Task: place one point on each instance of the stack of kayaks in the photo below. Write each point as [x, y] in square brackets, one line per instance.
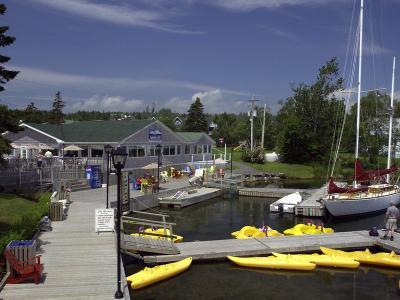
[301, 229]
[323, 260]
[272, 262]
[152, 275]
[160, 231]
[248, 232]
[366, 257]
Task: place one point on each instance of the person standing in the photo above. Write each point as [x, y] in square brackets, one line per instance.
[391, 217]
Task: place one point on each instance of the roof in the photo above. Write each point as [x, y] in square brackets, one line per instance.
[93, 131]
[190, 137]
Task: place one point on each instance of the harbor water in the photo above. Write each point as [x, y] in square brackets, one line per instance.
[217, 218]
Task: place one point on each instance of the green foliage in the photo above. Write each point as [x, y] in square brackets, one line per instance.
[57, 115]
[255, 156]
[196, 119]
[22, 224]
[307, 119]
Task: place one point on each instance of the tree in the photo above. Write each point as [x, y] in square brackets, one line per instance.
[196, 119]
[57, 115]
[7, 122]
[307, 119]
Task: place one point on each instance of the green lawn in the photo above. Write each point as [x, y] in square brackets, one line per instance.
[12, 209]
[19, 217]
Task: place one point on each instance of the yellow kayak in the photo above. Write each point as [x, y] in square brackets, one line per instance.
[177, 239]
[152, 275]
[248, 232]
[272, 262]
[324, 260]
[301, 229]
[383, 259]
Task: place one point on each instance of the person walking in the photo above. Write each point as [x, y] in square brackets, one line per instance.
[391, 217]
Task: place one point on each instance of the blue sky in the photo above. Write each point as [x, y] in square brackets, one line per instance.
[124, 55]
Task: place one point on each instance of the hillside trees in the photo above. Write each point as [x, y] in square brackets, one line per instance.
[196, 119]
[57, 115]
[307, 119]
[7, 122]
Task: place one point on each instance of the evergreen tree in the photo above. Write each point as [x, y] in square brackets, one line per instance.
[57, 115]
[7, 122]
[196, 119]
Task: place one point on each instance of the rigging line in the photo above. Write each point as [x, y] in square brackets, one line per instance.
[350, 34]
[372, 48]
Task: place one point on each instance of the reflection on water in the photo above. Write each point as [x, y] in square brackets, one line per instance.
[217, 218]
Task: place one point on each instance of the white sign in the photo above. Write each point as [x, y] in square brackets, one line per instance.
[104, 220]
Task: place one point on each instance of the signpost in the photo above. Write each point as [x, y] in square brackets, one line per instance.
[104, 220]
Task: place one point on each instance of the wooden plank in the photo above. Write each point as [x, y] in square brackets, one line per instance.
[219, 249]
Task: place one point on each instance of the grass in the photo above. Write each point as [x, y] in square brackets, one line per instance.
[19, 217]
[293, 171]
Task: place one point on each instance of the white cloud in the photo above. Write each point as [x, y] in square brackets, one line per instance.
[281, 33]
[117, 14]
[247, 5]
[376, 50]
[59, 80]
[214, 101]
[109, 103]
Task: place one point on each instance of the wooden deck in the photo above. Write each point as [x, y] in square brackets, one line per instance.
[78, 263]
[211, 250]
[269, 192]
[201, 194]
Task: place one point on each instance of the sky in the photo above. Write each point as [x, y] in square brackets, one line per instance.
[124, 55]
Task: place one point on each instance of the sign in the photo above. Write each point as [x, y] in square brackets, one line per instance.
[155, 134]
[104, 220]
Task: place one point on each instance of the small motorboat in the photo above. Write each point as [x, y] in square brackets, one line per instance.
[286, 204]
[159, 231]
[384, 259]
[248, 232]
[324, 260]
[152, 275]
[273, 262]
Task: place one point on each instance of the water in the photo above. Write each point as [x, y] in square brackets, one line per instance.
[217, 218]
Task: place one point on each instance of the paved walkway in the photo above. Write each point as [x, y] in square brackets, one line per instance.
[78, 263]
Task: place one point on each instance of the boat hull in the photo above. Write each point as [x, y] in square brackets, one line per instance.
[355, 206]
[271, 262]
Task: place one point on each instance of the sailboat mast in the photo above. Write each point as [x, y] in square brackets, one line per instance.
[391, 117]
[359, 82]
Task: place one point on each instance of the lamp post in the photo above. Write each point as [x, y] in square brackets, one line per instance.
[158, 151]
[107, 149]
[119, 159]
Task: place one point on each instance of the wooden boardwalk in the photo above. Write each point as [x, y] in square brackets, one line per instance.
[270, 192]
[219, 249]
[78, 263]
[201, 194]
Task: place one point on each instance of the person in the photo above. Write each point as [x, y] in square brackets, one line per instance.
[391, 217]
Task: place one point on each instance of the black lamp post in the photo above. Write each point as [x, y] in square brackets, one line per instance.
[119, 159]
[158, 151]
[107, 149]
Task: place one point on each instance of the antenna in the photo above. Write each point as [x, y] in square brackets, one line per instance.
[252, 113]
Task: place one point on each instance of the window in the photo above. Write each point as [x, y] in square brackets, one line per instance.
[172, 150]
[140, 151]
[199, 149]
[97, 152]
[187, 149]
[84, 151]
[178, 149]
[195, 149]
[132, 151]
[165, 150]
[209, 149]
[204, 148]
[151, 150]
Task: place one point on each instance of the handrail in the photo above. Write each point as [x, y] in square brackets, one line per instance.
[130, 219]
[147, 213]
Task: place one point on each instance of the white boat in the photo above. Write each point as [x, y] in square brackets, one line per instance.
[286, 204]
[358, 199]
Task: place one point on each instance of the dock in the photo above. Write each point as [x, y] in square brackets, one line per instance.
[185, 198]
[78, 262]
[219, 249]
[312, 206]
[269, 192]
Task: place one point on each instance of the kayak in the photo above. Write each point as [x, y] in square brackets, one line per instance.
[248, 232]
[324, 260]
[301, 229]
[176, 239]
[152, 275]
[383, 259]
[272, 262]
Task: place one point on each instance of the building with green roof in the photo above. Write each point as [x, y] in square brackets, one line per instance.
[86, 140]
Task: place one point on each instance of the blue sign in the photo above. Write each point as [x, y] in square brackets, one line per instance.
[155, 134]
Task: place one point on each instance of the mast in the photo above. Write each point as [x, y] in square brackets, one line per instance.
[359, 86]
[391, 119]
[263, 128]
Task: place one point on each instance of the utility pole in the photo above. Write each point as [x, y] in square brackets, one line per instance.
[263, 128]
[252, 113]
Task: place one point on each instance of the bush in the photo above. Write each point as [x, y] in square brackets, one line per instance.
[255, 156]
[26, 227]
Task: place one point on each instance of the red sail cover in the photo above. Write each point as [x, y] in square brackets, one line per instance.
[334, 189]
[361, 175]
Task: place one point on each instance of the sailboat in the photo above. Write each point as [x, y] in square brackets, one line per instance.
[363, 197]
